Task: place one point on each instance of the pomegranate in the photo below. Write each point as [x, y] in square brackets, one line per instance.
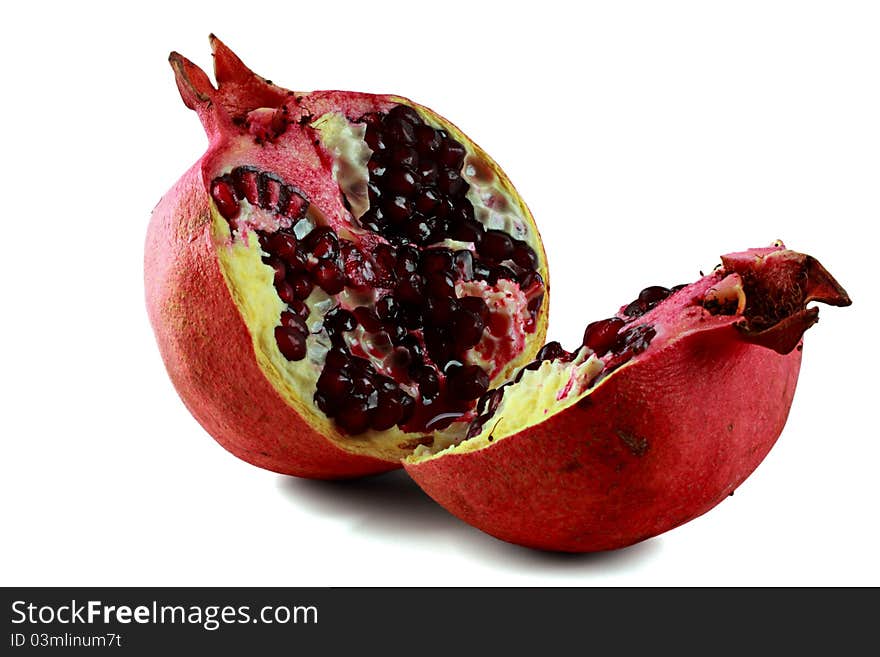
[659, 415]
[340, 277]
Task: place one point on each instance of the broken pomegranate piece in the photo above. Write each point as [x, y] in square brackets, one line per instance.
[659, 415]
[363, 267]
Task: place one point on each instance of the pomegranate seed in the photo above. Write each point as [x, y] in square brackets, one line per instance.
[299, 308]
[224, 198]
[438, 311]
[291, 342]
[268, 191]
[293, 321]
[496, 245]
[451, 183]
[436, 260]
[405, 156]
[399, 362]
[409, 290]
[600, 336]
[301, 285]
[489, 402]
[427, 140]
[401, 181]
[468, 231]
[407, 261]
[323, 243]
[328, 277]
[428, 382]
[475, 305]
[634, 309]
[388, 411]
[285, 292]
[445, 209]
[551, 351]
[535, 302]
[339, 320]
[440, 348]
[358, 273]
[387, 308]
[468, 382]
[500, 272]
[372, 221]
[395, 332]
[292, 203]
[420, 230]
[426, 201]
[467, 328]
[334, 383]
[398, 209]
[411, 316]
[406, 114]
[384, 261]
[428, 173]
[474, 428]
[635, 340]
[325, 404]
[354, 417]
[244, 179]
[282, 245]
[452, 154]
[399, 132]
[439, 229]
[524, 256]
[367, 318]
[300, 258]
[336, 359]
[464, 210]
[531, 279]
[440, 285]
[414, 347]
[653, 295]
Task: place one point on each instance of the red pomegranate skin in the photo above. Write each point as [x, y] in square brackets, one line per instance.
[209, 353]
[654, 446]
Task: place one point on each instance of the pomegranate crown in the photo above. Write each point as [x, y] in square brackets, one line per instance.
[238, 92]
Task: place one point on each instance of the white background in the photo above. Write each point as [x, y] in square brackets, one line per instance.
[648, 139]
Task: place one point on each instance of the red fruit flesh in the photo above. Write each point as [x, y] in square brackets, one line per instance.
[669, 407]
[333, 223]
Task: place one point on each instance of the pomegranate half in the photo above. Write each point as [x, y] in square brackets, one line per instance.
[340, 277]
[661, 413]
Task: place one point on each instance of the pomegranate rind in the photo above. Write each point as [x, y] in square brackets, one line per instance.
[209, 353]
[654, 444]
[627, 463]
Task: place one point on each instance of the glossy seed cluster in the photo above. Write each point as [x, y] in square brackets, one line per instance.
[418, 198]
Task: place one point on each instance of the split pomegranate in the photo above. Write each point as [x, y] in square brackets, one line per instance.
[660, 414]
[340, 277]
[344, 282]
